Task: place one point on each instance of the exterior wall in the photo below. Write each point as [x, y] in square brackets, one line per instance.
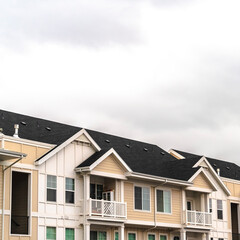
[201, 182]
[220, 227]
[25, 165]
[60, 214]
[110, 165]
[138, 215]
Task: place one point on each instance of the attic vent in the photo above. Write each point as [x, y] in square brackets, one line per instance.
[107, 141]
[163, 153]
[23, 123]
[228, 168]
[214, 164]
[48, 128]
[127, 145]
[145, 149]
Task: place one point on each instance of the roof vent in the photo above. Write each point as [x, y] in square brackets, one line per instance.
[48, 128]
[228, 168]
[16, 127]
[127, 145]
[145, 149]
[23, 123]
[214, 164]
[218, 171]
[163, 153]
[107, 141]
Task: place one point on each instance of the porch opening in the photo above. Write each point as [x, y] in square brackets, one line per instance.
[234, 218]
[20, 203]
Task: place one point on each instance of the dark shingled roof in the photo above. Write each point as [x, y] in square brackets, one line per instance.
[36, 129]
[227, 169]
[139, 156]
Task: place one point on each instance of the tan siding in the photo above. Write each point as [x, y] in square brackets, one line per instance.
[174, 217]
[31, 152]
[34, 191]
[109, 165]
[41, 151]
[7, 188]
[202, 182]
[234, 188]
[17, 147]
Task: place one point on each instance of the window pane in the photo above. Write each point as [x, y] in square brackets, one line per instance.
[138, 198]
[116, 236]
[167, 201]
[146, 198]
[131, 236]
[51, 181]
[51, 233]
[69, 234]
[159, 200]
[51, 195]
[210, 205]
[163, 237]
[102, 236]
[220, 214]
[92, 191]
[69, 197]
[93, 235]
[70, 184]
[151, 237]
[219, 204]
[99, 191]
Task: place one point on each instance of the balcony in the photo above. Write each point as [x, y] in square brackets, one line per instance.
[197, 218]
[107, 209]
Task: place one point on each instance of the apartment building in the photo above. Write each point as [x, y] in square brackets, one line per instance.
[65, 182]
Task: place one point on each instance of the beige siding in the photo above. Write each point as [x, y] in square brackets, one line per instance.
[202, 182]
[34, 191]
[174, 217]
[110, 165]
[234, 188]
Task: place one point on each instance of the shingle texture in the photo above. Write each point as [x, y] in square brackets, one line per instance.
[227, 169]
[141, 157]
[36, 129]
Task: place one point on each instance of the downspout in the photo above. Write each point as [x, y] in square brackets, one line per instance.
[3, 191]
[155, 217]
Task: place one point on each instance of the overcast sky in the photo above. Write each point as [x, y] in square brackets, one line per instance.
[160, 71]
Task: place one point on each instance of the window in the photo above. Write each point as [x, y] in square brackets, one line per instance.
[210, 205]
[70, 188]
[51, 188]
[51, 233]
[151, 236]
[131, 236]
[163, 201]
[96, 191]
[142, 198]
[219, 209]
[95, 235]
[189, 205]
[163, 237]
[116, 236]
[69, 234]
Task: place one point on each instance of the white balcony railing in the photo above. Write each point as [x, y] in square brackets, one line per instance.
[199, 218]
[107, 209]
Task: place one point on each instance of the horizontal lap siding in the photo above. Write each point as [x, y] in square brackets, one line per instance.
[132, 214]
[201, 182]
[109, 165]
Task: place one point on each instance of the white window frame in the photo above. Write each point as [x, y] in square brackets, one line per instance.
[133, 233]
[219, 209]
[70, 191]
[51, 188]
[163, 234]
[51, 227]
[142, 186]
[150, 233]
[164, 190]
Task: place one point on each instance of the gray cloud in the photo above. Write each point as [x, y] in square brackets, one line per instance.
[89, 23]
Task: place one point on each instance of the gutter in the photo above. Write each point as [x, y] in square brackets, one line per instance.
[3, 188]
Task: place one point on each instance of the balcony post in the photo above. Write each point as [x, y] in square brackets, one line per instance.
[102, 207]
[184, 206]
[207, 236]
[121, 232]
[86, 192]
[183, 234]
[86, 231]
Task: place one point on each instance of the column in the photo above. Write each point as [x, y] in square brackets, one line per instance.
[86, 193]
[121, 232]
[86, 231]
[184, 202]
[202, 203]
[183, 234]
[207, 236]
